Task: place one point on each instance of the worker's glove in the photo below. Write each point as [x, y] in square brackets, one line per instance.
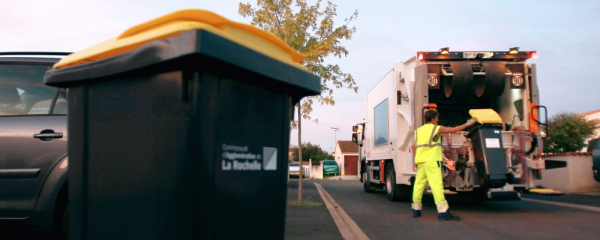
[471, 121]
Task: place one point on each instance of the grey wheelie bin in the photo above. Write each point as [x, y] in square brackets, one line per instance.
[179, 129]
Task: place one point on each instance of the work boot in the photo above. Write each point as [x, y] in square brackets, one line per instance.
[416, 213]
[447, 216]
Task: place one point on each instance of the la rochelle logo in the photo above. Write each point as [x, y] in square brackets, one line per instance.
[241, 159]
[269, 158]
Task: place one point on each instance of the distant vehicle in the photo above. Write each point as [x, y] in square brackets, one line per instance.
[330, 167]
[596, 161]
[294, 169]
[33, 144]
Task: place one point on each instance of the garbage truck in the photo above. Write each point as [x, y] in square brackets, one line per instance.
[496, 159]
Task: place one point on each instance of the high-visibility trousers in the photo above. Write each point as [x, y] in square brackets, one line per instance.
[429, 172]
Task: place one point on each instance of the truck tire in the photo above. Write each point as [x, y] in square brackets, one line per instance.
[395, 192]
[367, 184]
[391, 189]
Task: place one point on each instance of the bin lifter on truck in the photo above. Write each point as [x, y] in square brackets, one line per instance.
[495, 159]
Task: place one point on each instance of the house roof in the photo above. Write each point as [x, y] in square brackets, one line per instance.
[348, 146]
[588, 113]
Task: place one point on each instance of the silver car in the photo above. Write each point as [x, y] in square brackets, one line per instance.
[33, 144]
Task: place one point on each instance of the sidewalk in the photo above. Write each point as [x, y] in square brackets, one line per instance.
[308, 222]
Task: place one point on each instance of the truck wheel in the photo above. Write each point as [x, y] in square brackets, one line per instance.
[395, 191]
[367, 184]
[391, 189]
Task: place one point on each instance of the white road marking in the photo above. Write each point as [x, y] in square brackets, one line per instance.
[345, 224]
[589, 208]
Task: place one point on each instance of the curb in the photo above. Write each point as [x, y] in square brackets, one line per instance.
[346, 225]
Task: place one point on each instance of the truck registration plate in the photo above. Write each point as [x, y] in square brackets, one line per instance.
[475, 54]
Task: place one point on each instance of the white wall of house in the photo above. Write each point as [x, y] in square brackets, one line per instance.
[316, 171]
[576, 177]
[339, 158]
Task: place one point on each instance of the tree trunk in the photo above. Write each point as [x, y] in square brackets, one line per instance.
[301, 174]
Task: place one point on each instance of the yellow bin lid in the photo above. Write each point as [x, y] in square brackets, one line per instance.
[180, 21]
[485, 115]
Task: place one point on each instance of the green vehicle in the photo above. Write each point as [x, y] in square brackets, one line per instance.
[330, 167]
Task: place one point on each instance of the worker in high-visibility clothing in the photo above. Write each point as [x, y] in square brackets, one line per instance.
[428, 157]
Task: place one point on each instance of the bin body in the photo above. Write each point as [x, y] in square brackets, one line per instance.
[183, 138]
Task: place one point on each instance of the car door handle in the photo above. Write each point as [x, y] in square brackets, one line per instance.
[47, 135]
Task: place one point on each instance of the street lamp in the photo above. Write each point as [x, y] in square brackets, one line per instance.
[335, 129]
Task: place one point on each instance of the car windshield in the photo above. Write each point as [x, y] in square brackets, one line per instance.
[329, 162]
[294, 164]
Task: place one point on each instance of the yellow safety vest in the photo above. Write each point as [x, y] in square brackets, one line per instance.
[429, 146]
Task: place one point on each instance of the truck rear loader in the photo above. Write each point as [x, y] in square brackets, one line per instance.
[495, 159]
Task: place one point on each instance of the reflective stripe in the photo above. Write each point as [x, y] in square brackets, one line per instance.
[432, 138]
[433, 134]
[429, 145]
[417, 205]
[442, 207]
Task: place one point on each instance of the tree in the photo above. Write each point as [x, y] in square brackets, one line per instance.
[567, 133]
[310, 31]
[310, 151]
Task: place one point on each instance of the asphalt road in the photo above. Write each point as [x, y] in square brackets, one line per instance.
[382, 219]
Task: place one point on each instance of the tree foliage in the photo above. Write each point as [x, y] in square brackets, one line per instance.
[310, 151]
[567, 133]
[309, 29]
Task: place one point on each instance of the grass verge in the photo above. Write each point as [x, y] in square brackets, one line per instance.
[305, 203]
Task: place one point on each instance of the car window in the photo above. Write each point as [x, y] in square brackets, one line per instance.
[294, 164]
[22, 91]
[60, 107]
[329, 163]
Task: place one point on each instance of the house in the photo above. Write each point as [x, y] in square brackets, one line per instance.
[346, 156]
[593, 116]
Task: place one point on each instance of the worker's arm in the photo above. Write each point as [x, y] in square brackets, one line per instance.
[457, 128]
[414, 150]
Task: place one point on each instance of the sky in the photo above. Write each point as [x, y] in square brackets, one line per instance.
[565, 34]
